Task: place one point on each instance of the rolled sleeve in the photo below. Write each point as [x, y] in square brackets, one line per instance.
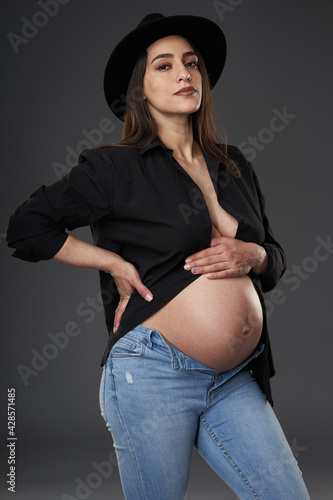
[37, 229]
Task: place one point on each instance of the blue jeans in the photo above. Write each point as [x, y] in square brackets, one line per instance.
[158, 403]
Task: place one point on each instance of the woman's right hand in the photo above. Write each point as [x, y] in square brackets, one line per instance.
[127, 280]
[79, 253]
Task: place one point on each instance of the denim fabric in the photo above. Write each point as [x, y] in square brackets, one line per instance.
[158, 403]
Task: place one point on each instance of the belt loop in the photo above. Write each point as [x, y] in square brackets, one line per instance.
[174, 358]
[149, 342]
[175, 361]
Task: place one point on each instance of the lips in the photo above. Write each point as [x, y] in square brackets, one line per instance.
[186, 91]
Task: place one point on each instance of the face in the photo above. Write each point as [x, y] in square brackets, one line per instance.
[172, 66]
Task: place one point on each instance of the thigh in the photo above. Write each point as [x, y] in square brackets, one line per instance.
[142, 402]
[242, 440]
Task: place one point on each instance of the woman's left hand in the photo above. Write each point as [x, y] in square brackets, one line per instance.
[228, 258]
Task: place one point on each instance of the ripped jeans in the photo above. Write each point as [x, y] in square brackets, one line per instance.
[158, 403]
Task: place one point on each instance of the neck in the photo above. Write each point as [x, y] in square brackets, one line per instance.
[176, 133]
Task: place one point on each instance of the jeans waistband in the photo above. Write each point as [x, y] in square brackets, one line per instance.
[179, 360]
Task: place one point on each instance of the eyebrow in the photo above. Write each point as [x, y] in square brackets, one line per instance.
[160, 56]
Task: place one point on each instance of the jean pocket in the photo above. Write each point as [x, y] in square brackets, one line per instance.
[126, 347]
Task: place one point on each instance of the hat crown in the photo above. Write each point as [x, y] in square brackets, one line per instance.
[150, 18]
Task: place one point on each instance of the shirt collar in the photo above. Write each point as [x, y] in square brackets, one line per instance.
[156, 143]
[212, 163]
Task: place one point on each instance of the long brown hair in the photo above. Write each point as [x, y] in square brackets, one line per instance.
[139, 124]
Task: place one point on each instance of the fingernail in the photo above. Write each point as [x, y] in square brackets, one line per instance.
[114, 329]
[149, 297]
[188, 260]
[187, 266]
[194, 270]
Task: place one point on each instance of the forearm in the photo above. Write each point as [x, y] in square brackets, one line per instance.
[76, 252]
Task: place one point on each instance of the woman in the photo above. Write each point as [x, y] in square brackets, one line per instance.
[184, 250]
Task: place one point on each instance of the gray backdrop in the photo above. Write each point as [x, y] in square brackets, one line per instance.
[279, 61]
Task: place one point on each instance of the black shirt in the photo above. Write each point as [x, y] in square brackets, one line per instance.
[142, 205]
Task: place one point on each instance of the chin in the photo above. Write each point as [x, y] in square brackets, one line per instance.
[189, 109]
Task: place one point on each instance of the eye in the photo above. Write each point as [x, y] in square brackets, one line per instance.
[192, 64]
[163, 67]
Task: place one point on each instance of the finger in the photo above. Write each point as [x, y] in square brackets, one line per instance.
[198, 255]
[124, 287]
[142, 289]
[227, 273]
[207, 261]
[207, 252]
[215, 241]
[230, 272]
[120, 311]
[117, 318]
[220, 240]
[213, 268]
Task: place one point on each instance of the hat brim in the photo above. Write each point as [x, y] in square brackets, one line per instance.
[206, 35]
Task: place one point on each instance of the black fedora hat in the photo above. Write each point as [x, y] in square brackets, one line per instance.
[205, 35]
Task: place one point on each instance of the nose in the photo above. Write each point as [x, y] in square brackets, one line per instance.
[183, 75]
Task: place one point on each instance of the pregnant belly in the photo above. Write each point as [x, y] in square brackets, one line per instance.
[217, 322]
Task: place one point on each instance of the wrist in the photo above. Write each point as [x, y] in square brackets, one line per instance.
[260, 261]
[112, 260]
